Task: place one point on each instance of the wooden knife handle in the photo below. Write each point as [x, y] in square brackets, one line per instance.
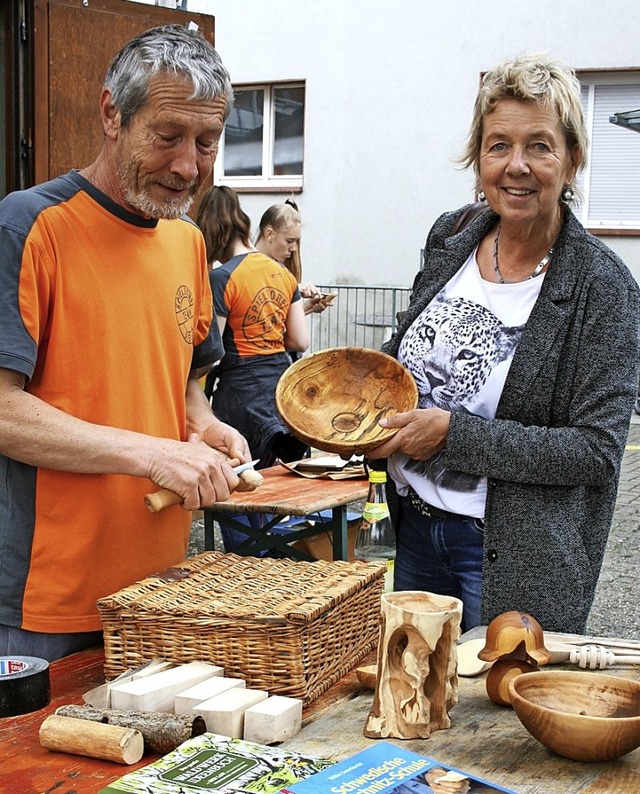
[158, 500]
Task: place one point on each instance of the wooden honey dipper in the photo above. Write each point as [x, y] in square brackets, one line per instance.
[597, 657]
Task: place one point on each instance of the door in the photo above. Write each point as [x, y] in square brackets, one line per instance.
[73, 43]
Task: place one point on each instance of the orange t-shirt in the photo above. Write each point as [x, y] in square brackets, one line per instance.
[254, 293]
[105, 313]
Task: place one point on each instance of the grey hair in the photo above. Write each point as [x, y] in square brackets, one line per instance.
[538, 79]
[171, 48]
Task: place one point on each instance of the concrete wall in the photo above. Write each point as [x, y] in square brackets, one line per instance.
[390, 88]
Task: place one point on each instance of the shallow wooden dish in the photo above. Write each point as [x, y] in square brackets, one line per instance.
[368, 675]
[579, 715]
[335, 398]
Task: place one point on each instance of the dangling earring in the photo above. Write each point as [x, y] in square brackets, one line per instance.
[481, 196]
[567, 194]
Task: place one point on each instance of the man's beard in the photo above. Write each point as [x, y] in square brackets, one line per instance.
[168, 209]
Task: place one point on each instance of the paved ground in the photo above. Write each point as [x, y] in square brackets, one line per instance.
[616, 609]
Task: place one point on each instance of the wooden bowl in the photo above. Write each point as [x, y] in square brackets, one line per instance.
[334, 399]
[579, 715]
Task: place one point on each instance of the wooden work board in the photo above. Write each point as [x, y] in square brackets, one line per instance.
[285, 493]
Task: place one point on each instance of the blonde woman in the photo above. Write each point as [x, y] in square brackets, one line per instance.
[522, 334]
[279, 238]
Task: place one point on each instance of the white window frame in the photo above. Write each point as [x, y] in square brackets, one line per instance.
[268, 182]
[611, 225]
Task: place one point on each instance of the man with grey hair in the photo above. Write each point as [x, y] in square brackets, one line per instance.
[105, 324]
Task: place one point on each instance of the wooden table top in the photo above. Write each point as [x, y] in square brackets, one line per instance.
[485, 740]
[284, 493]
[27, 768]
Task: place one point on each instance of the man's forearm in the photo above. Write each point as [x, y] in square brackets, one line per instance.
[38, 434]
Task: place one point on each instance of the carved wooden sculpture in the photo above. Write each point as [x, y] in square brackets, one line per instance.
[515, 645]
[417, 681]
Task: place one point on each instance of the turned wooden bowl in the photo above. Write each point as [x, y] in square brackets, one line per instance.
[579, 715]
[334, 399]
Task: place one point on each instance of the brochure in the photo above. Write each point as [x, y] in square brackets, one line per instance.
[212, 763]
[385, 768]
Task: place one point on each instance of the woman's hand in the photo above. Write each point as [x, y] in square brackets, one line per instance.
[314, 301]
[316, 305]
[309, 290]
[421, 434]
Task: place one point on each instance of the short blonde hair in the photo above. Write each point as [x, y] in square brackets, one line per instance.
[531, 78]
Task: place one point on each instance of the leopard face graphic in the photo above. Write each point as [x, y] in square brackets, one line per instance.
[453, 351]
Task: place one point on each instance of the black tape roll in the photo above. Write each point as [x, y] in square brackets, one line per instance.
[24, 685]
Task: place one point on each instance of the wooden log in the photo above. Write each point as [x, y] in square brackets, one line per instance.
[90, 713]
[92, 739]
[417, 683]
[161, 731]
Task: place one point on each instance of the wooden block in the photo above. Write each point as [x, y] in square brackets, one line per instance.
[273, 720]
[156, 666]
[157, 692]
[205, 690]
[100, 696]
[224, 714]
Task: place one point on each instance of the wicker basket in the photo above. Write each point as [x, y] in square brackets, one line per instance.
[291, 628]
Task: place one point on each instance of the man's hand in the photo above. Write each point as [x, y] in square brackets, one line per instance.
[228, 440]
[192, 469]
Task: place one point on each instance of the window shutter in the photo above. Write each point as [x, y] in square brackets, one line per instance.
[614, 189]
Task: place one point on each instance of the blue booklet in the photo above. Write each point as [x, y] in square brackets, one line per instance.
[385, 768]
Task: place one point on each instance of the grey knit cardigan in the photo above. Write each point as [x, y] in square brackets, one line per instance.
[552, 454]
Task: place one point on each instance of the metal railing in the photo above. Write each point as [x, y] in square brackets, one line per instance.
[359, 316]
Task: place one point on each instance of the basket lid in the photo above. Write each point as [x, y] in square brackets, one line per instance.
[216, 585]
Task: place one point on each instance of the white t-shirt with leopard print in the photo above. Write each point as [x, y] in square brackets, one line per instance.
[459, 351]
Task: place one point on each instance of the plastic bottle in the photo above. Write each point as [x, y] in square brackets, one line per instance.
[375, 538]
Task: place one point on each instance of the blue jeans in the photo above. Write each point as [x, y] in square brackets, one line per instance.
[16, 641]
[442, 556]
